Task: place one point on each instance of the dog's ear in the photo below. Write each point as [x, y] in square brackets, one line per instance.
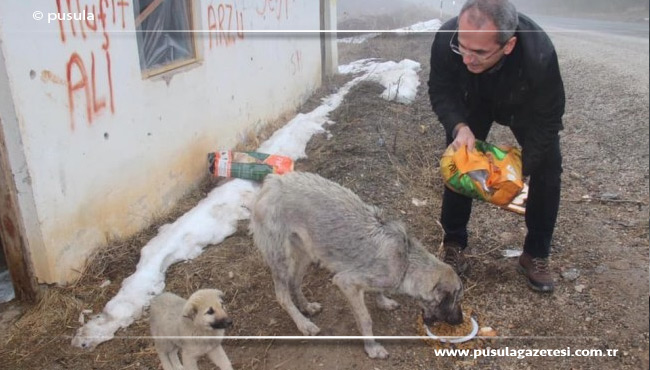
[189, 311]
[220, 295]
[436, 291]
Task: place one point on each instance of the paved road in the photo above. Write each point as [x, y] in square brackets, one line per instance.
[620, 48]
[552, 24]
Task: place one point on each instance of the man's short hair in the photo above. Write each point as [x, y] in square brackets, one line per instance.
[502, 12]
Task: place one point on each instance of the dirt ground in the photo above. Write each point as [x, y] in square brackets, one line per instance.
[388, 153]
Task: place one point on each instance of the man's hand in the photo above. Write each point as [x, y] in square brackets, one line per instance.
[464, 136]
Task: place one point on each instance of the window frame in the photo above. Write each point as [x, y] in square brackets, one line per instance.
[173, 66]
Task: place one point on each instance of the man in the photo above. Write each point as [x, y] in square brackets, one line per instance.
[492, 64]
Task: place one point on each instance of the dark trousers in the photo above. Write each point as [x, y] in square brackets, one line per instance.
[543, 195]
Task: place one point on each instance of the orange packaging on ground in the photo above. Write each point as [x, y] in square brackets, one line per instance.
[247, 165]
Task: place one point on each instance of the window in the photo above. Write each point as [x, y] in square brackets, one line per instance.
[165, 40]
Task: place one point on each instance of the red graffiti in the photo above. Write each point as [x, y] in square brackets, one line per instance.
[60, 11]
[92, 26]
[75, 61]
[81, 23]
[123, 5]
[94, 99]
[77, 79]
[110, 80]
[274, 7]
[222, 27]
[101, 104]
[115, 7]
[102, 18]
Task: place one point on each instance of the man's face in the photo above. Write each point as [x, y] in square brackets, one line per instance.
[479, 46]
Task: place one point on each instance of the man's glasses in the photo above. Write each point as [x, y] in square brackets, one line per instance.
[480, 56]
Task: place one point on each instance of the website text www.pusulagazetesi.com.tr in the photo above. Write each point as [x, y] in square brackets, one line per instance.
[523, 353]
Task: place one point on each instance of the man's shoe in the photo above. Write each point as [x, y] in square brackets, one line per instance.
[455, 257]
[537, 272]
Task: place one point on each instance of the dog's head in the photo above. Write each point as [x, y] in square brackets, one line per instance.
[206, 310]
[442, 301]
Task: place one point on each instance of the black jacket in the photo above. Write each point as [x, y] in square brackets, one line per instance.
[528, 93]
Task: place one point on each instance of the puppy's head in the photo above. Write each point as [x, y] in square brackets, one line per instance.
[206, 311]
[443, 301]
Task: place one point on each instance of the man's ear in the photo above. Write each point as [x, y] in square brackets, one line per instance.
[510, 45]
[189, 311]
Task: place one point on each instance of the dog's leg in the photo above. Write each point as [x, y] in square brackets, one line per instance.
[350, 284]
[175, 360]
[219, 358]
[283, 296]
[386, 303]
[301, 263]
[190, 361]
[166, 359]
[275, 245]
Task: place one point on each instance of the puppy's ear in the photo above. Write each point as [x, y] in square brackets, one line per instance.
[189, 311]
[220, 295]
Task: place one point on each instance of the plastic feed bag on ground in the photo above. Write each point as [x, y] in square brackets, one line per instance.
[247, 165]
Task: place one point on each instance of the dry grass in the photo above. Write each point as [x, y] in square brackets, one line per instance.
[57, 307]
[56, 312]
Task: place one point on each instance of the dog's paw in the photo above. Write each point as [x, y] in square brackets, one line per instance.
[313, 308]
[376, 350]
[386, 303]
[309, 328]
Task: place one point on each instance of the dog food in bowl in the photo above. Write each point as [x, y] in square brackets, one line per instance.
[453, 333]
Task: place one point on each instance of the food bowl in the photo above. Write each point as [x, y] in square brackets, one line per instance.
[450, 339]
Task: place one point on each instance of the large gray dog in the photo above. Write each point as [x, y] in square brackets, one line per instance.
[301, 218]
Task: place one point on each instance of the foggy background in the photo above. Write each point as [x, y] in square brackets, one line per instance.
[388, 14]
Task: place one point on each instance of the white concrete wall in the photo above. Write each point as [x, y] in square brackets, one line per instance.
[98, 162]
